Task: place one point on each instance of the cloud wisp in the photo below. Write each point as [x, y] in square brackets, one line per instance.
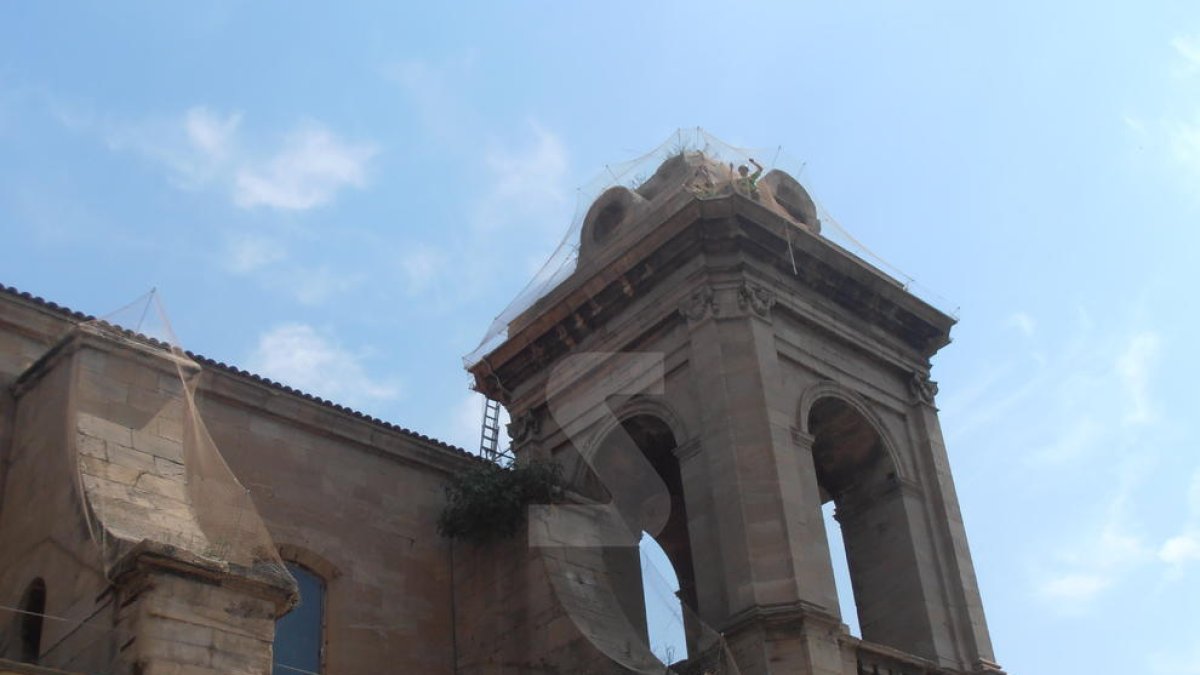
[527, 185]
[1183, 549]
[300, 356]
[1095, 562]
[307, 168]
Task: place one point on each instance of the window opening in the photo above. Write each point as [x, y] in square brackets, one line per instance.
[299, 638]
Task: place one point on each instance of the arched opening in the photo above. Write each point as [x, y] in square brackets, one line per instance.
[655, 582]
[300, 634]
[665, 618]
[33, 610]
[857, 475]
[841, 568]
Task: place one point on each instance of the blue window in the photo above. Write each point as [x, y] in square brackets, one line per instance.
[299, 633]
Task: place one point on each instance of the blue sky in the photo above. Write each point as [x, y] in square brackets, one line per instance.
[343, 200]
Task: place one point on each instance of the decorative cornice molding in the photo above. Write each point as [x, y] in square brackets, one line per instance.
[756, 298]
[525, 427]
[921, 388]
[701, 305]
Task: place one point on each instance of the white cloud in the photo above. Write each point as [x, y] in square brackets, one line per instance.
[248, 253]
[421, 266]
[1184, 548]
[527, 185]
[298, 355]
[313, 286]
[1090, 564]
[1181, 549]
[209, 134]
[308, 171]
[1075, 589]
[1133, 366]
[1188, 48]
[1183, 138]
[206, 149]
[195, 147]
[437, 104]
[1185, 660]
[1077, 439]
[1023, 323]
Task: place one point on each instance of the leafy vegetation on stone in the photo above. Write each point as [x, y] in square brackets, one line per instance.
[489, 501]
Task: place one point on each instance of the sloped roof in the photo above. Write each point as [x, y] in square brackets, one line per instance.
[69, 314]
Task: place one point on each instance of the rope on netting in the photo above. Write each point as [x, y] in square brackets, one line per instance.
[52, 617]
[293, 669]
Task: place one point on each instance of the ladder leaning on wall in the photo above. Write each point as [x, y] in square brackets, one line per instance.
[489, 435]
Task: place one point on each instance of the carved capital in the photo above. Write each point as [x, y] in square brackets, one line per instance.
[921, 388]
[702, 304]
[756, 298]
[525, 427]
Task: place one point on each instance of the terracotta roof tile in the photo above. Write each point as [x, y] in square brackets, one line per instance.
[73, 315]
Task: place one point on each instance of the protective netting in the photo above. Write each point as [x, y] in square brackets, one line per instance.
[714, 169]
[148, 468]
[678, 637]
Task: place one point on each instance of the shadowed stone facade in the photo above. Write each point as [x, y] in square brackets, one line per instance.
[714, 368]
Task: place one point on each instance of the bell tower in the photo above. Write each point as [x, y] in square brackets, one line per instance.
[715, 371]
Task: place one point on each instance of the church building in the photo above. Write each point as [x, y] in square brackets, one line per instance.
[709, 371]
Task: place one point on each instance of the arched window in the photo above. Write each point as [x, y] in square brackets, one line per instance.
[858, 474]
[33, 607]
[656, 583]
[299, 634]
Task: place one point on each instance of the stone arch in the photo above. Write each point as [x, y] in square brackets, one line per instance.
[304, 557]
[831, 389]
[657, 432]
[637, 406]
[879, 513]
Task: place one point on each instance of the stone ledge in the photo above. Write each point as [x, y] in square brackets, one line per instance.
[268, 581]
[13, 668]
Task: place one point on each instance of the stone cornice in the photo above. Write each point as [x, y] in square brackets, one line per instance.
[794, 612]
[593, 296]
[45, 322]
[259, 397]
[268, 581]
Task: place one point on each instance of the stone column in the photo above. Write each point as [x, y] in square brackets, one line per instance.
[948, 539]
[764, 504]
[183, 614]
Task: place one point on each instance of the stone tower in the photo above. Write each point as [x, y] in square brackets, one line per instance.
[716, 370]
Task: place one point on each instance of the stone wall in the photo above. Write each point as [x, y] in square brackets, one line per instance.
[353, 500]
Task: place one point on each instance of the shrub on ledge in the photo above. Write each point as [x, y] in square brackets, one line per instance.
[489, 501]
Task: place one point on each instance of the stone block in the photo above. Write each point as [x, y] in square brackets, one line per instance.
[124, 455]
[97, 427]
[151, 443]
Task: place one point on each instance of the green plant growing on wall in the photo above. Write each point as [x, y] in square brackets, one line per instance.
[489, 502]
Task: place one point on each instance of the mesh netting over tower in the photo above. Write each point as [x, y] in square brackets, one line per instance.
[692, 160]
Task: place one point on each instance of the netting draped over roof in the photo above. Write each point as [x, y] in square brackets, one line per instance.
[643, 175]
[705, 166]
[148, 468]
